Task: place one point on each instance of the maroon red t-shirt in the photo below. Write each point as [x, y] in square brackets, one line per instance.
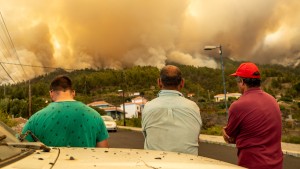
[255, 123]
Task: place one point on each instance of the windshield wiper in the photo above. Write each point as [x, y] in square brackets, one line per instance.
[37, 145]
[29, 145]
[23, 136]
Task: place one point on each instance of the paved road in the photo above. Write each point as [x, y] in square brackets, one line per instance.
[135, 140]
[126, 139]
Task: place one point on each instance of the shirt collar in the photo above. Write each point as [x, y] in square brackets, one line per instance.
[169, 93]
[252, 89]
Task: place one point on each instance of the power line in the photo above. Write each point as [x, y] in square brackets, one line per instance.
[6, 49]
[2, 39]
[8, 74]
[12, 44]
[10, 51]
[45, 67]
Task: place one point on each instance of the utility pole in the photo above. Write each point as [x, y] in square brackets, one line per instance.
[29, 99]
[124, 122]
[223, 76]
[208, 95]
[85, 87]
[123, 100]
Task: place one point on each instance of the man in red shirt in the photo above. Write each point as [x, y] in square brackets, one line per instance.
[254, 122]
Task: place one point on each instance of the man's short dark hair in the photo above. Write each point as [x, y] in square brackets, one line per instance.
[170, 78]
[61, 83]
[251, 82]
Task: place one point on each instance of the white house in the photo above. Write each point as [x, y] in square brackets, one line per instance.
[131, 109]
[135, 107]
[220, 97]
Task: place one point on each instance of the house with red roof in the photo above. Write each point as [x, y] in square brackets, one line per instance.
[111, 110]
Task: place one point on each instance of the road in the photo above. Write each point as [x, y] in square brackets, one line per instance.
[135, 140]
[126, 139]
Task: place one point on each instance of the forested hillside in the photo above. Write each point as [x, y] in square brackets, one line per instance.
[103, 84]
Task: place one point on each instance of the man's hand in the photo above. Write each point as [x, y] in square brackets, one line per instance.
[227, 139]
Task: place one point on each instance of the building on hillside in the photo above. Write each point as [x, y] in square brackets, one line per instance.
[191, 95]
[135, 107]
[134, 94]
[139, 100]
[290, 121]
[100, 104]
[111, 110]
[278, 97]
[220, 97]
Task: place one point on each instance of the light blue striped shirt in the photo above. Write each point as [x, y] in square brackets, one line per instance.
[171, 122]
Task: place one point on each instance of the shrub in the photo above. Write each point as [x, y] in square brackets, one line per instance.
[135, 122]
[214, 130]
[132, 122]
[286, 99]
[291, 139]
[4, 117]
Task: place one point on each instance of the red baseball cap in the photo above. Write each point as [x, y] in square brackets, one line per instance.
[247, 70]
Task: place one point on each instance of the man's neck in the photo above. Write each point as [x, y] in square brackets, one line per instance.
[170, 88]
[63, 96]
[63, 100]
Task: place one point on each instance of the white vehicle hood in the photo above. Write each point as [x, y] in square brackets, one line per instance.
[115, 158]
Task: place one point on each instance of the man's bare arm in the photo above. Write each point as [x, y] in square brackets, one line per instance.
[102, 144]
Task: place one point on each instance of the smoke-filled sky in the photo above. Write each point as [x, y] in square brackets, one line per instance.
[76, 34]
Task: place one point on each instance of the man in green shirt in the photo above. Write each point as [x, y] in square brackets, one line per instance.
[67, 122]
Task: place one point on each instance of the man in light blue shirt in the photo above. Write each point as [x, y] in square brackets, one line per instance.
[171, 122]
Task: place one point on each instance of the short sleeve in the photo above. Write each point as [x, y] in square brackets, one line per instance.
[102, 134]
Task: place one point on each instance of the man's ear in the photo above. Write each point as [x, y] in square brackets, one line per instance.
[51, 93]
[182, 83]
[242, 81]
[159, 83]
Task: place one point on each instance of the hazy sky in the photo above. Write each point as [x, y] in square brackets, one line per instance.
[77, 34]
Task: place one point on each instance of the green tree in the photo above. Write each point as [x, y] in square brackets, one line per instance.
[18, 107]
[297, 88]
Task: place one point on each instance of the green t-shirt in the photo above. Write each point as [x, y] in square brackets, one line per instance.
[67, 123]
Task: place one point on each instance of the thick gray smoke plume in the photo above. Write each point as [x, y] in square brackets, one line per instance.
[76, 34]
